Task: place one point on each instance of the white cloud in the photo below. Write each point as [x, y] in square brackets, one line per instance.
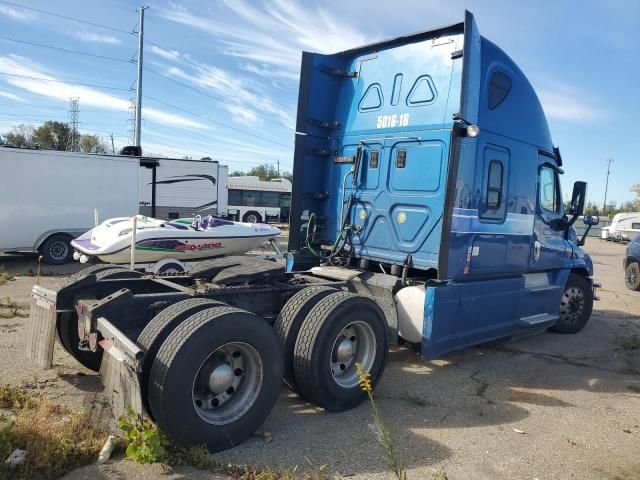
[98, 38]
[273, 33]
[18, 65]
[168, 54]
[244, 116]
[565, 102]
[266, 71]
[19, 15]
[11, 96]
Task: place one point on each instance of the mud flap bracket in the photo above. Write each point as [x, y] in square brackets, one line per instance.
[41, 331]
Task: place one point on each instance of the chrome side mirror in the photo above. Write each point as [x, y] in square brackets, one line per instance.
[591, 220]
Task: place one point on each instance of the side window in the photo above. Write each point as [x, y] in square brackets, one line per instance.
[401, 159]
[499, 87]
[373, 159]
[494, 185]
[549, 193]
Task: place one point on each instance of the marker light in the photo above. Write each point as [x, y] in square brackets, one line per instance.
[473, 131]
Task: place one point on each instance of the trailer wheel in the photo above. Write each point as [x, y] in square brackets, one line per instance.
[56, 249]
[632, 276]
[576, 304]
[159, 328]
[67, 329]
[290, 320]
[252, 217]
[170, 269]
[216, 378]
[342, 330]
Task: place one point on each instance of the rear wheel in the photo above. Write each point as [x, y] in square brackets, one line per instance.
[576, 304]
[117, 273]
[70, 339]
[290, 320]
[170, 269]
[216, 378]
[56, 249]
[632, 276]
[343, 330]
[85, 272]
[252, 217]
[160, 327]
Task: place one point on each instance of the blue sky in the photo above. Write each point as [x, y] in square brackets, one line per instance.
[228, 69]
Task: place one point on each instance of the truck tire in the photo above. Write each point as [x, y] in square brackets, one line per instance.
[159, 328]
[632, 276]
[290, 320]
[67, 329]
[342, 330]
[116, 273]
[85, 272]
[252, 217]
[216, 378]
[56, 249]
[576, 304]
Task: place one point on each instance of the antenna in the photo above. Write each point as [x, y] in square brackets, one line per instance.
[606, 188]
[74, 110]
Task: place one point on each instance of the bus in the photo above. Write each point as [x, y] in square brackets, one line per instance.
[259, 201]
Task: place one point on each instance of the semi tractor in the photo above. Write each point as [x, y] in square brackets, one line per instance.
[426, 210]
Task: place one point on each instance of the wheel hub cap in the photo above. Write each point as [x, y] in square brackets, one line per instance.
[356, 343]
[221, 378]
[345, 350]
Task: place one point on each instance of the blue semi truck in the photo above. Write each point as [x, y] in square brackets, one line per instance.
[426, 210]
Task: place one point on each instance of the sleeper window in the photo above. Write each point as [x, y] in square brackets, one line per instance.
[494, 184]
[401, 159]
[373, 159]
[548, 190]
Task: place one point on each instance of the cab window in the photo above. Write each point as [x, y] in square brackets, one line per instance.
[549, 190]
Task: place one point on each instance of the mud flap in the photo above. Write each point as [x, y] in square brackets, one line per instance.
[119, 370]
[41, 331]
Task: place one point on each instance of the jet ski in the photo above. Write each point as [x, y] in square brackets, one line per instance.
[183, 239]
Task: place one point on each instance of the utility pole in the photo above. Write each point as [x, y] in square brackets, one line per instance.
[606, 188]
[139, 78]
[113, 147]
[278, 167]
[131, 121]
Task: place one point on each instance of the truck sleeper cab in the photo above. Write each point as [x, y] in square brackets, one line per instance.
[426, 207]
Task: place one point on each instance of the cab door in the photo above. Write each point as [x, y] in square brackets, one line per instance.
[549, 247]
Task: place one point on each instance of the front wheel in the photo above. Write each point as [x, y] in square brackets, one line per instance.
[632, 276]
[57, 250]
[576, 304]
[343, 330]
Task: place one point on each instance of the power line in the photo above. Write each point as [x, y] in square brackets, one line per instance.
[67, 18]
[216, 122]
[61, 81]
[211, 72]
[218, 99]
[77, 52]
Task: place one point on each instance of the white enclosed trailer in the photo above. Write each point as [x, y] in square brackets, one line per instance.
[48, 197]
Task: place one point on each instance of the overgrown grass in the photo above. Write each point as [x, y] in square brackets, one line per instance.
[11, 309]
[56, 439]
[631, 342]
[5, 275]
[384, 437]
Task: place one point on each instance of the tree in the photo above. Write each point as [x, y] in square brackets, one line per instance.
[636, 203]
[92, 144]
[53, 136]
[20, 137]
[237, 173]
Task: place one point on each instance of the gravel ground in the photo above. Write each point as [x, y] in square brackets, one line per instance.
[546, 407]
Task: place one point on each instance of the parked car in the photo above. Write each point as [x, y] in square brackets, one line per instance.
[632, 264]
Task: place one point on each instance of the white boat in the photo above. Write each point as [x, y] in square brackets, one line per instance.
[184, 239]
[624, 226]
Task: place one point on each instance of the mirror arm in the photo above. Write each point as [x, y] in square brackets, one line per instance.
[584, 236]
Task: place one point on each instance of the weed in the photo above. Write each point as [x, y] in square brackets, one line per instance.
[11, 309]
[146, 442]
[395, 464]
[56, 439]
[630, 343]
[440, 474]
[5, 275]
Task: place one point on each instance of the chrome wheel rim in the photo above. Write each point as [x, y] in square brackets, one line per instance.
[356, 343]
[227, 383]
[632, 275]
[572, 304]
[59, 250]
[252, 219]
